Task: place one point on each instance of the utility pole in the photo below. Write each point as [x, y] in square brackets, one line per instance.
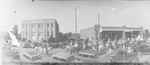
[76, 21]
[32, 0]
[99, 30]
[98, 20]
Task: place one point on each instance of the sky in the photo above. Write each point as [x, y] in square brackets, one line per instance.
[112, 13]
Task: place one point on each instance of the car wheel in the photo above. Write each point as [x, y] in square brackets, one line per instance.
[110, 60]
[135, 60]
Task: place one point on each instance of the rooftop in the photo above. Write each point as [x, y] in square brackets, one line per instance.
[63, 54]
[38, 20]
[31, 53]
[90, 52]
[115, 28]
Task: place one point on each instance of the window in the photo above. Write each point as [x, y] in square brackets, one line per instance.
[52, 33]
[36, 58]
[63, 60]
[48, 33]
[52, 25]
[47, 25]
[72, 58]
[56, 58]
[91, 56]
[80, 54]
[85, 55]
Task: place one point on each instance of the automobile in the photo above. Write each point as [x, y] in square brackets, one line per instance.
[143, 58]
[31, 56]
[63, 57]
[124, 56]
[53, 51]
[144, 54]
[92, 56]
[11, 56]
[144, 50]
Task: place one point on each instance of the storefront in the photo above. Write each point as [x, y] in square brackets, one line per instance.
[112, 33]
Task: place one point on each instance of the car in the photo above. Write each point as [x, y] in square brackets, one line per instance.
[31, 56]
[11, 56]
[143, 58]
[63, 57]
[123, 56]
[92, 56]
[144, 54]
[145, 50]
[54, 51]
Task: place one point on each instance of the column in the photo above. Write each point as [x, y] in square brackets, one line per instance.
[141, 33]
[30, 33]
[44, 31]
[124, 35]
[37, 31]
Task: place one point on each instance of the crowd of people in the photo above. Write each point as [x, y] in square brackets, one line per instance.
[130, 45]
[73, 46]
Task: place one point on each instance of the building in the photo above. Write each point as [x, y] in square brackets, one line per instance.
[110, 32]
[41, 29]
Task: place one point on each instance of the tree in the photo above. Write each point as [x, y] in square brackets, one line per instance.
[51, 39]
[23, 39]
[147, 33]
[15, 32]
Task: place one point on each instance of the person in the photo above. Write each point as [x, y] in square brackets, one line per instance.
[68, 48]
[99, 47]
[71, 43]
[76, 46]
[36, 48]
[84, 46]
[49, 48]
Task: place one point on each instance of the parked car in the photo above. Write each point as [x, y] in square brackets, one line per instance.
[11, 56]
[31, 56]
[64, 58]
[143, 58]
[92, 56]
[124, 56]
[144, 50]
[144, 54]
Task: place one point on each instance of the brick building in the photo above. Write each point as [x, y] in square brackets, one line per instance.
[93, 33]
[40, 29]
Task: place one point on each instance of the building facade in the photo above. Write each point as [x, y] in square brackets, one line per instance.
[110, 32]
[41, 29]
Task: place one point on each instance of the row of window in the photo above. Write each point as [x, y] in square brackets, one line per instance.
[86, 56]
[49, 33]
[40, 34]
[34, 25]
